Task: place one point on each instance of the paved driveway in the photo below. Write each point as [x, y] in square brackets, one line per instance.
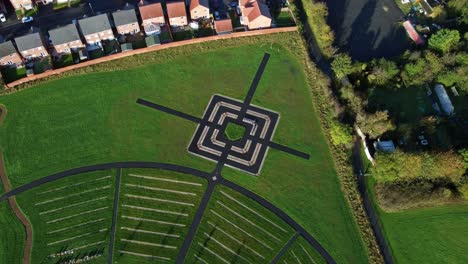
[367, 28]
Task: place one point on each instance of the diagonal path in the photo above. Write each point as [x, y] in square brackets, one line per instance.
[114, 216]
[285, 248]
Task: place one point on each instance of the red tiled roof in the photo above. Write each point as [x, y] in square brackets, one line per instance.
[196, 3]
[254, 9]
[176, 9]
[224, 25]
[151, 11]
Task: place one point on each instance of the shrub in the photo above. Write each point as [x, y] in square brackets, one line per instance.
[342, 65]
[444, 40]
[340, 134]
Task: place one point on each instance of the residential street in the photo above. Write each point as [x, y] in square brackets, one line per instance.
[367, 29]
[46, 18]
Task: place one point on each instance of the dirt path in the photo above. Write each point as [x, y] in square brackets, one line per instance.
[12, 201]
[3, 112]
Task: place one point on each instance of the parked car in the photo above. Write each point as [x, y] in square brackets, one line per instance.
[2, 17]
[216, 15]
[27, 19]
[233, 4]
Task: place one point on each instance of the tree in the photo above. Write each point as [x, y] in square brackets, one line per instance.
[383, 71]
[342, 65]
[444, 40]
[401, 166]
[459, 8]
[439, 14]
[340, 134]
[375, 124]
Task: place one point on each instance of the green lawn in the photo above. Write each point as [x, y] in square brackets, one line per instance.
[182, 35]
[284, 19]
[156, 210]
[93, 118]
[12, 230]
[301, 252]
[407, 104]
[63, 61]
[235, 227]
[13, 74]
[74, 213]
[427, 235]
[234, 131]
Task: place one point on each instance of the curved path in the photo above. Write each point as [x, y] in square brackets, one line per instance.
[18, 213]
[213, 181]
[3, 112]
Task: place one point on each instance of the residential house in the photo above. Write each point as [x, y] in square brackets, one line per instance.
[9, 56]
[95, 29]
[223, 26]
[153, 18]
[255, 14]
[177, 14]
[199, 9]
[31, 46]
[126, 22]
[22, 4]
[65, 39]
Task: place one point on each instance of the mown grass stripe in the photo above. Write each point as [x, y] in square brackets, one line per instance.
[253, 211]
[242, 230]
[213, 253]
[70, 227]
[200, 259]
[307, 253]
[248, 221]
[75, 237]
[158, 199]
[74, 185]
[71, 205]
[294, 254]
[235, 239]
[143, 255]
[225, 247]
[72, 195]
[71, 216]
[149, 232]
[152, 221]
[147, 243]
[160, 189]
[164, 179]
[154, 210]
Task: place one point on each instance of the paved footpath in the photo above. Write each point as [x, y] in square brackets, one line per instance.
[186, 170]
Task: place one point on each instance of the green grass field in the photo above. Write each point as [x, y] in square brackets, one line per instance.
[12, 230]
[156, 211]
[427, 235]
[237, 229]
[71, 217]
[93, 118]
[301, 252]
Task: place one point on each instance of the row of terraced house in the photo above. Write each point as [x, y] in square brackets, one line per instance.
[89, 33]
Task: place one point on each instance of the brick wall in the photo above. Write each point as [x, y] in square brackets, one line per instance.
[149, 49]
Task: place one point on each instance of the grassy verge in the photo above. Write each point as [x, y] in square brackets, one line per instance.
[316, 14]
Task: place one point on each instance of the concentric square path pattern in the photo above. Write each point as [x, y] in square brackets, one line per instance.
[247, 153]
[210, 140]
